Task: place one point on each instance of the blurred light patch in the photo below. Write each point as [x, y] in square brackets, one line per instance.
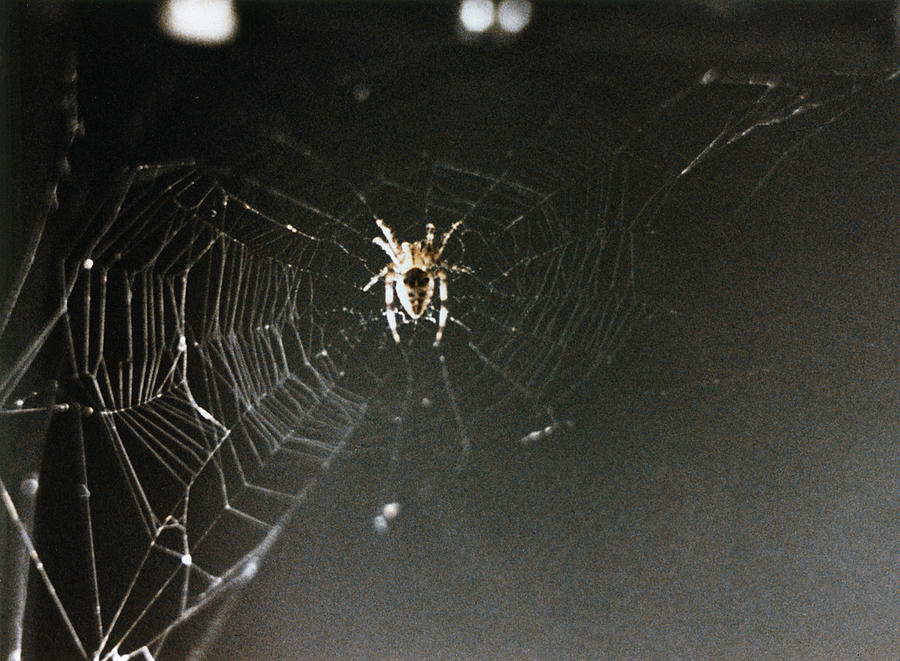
[390, 511]
[476, 15]
[30, 484]
[513, 15]
[201, 22]
[502, 21]
[361, 92]
[382, 521]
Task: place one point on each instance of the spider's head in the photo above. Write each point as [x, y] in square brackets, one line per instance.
[415, 291]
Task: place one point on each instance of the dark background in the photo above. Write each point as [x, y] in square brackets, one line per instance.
[730, 493]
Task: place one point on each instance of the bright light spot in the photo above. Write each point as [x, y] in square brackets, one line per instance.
[29, 486]
[19, 403]
[290, 228]
[187, 560]
[182, 343]
[390, 511]
[426, 402]
[203, 22]
[476, 15]
[88, 264]
[513, 15]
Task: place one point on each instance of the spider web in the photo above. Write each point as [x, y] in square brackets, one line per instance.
[220, 352]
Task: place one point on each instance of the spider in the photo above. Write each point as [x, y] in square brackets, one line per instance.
[412, 271]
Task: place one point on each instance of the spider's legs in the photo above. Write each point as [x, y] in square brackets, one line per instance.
[456, 268]
[384, 245]
[448, 234]
[375, 278]
[389, 235]
[442, 318]
[389, 305]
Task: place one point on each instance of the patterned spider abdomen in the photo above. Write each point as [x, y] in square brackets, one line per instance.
[416, 293]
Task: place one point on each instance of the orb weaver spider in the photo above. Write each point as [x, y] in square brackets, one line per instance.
[414, 271]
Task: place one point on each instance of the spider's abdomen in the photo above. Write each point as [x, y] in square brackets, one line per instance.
[418, 290]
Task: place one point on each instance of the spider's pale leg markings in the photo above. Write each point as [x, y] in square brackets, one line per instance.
[389, 305]
[384, 245]
[441, 274]
[442, 319]
[378, 276]
[446, 237]
[389, 235]
[393, 251]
